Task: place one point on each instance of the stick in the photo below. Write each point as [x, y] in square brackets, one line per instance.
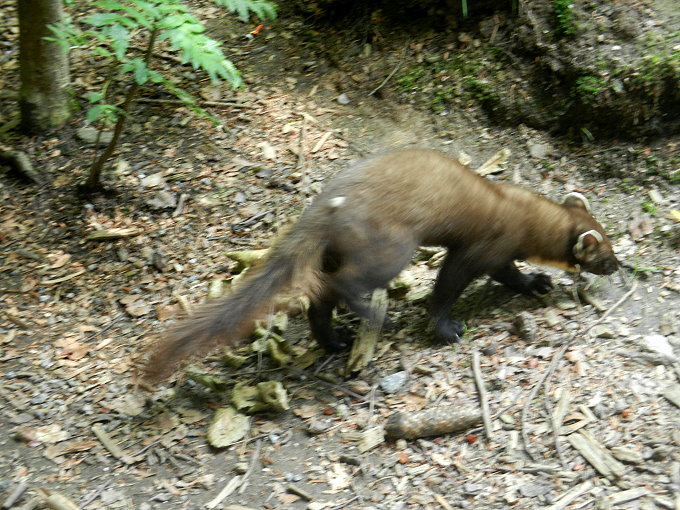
[251, 466]
[483, 400]
[232, 104]
[386, 79]
[225, 492]
[553, 365]
[112, 447]
[15, 495]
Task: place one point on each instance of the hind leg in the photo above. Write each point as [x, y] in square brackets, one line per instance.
[320, 315]
[355, 275]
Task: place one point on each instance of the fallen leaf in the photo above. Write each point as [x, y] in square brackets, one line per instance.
[70, 348]
[639, 227]
[227, 427]
[138, 308]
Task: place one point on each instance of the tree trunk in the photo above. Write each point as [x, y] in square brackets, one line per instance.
[43, 97]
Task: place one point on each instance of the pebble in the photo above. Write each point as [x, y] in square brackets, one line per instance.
[660, 345]
[90, 134]
[602, 331]
[343, 99]
[394, 382]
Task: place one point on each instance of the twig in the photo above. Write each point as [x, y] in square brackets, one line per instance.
[553, 365]
[112, 447]
[96, 494]
[180, 204]
[555, 424]
[251, 466]
[343, 505]
[301, 143]
[483, 400]
[231, 104]
[225, 492]
[299, 492]
[386, 79]
[15, 495]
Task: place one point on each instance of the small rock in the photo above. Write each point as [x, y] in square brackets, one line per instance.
[319, 426]
[162, 200]
[539, 150]
[152, 180]
[359, 386]
[660, 345]
[394, 382]
[551, 318]
[667, 324]
[343, 99]
[602, 331]
[533, 489]
[627, 454]
[90, 134]
[241, 468]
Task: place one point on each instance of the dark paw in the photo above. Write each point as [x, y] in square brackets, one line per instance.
[336, 342]
[448, 331]
[538, 283]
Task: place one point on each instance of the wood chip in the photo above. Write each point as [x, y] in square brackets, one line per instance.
[597, 455]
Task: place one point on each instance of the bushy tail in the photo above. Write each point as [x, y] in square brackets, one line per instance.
[295, 259]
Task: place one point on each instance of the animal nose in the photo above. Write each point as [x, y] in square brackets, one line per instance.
[610, 266]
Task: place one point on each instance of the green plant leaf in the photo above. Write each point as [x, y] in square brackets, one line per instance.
[95, 97]
[120, 38]
[100, 111]
[263, 9]
[138, 68]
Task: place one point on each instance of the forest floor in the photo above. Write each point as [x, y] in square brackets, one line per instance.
[581, 416]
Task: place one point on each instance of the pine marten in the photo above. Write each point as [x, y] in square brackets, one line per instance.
[363, 229]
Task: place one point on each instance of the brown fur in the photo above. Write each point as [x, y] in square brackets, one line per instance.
[361, 231]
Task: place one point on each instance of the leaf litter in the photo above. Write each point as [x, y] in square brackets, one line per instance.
[83, 296]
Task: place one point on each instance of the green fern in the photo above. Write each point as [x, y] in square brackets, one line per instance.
[263, 9]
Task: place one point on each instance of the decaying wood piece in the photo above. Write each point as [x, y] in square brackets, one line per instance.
[56, 501]
[597, 455]
[571, 495]
[19, 163]
[109, 444]
[431, 422]
[228, 489]
[672, 393]
[370, 438]
[363, 348]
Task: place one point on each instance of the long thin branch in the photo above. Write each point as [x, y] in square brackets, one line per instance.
[483, 400]
[93, 180]
[553, 365]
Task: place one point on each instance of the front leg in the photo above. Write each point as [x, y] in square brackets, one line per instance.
[454, 276]
[522, 283]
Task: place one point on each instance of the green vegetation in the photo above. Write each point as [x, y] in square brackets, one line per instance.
[125, 35]
[564, 16]
[588, 88]
[455, 79]
[648, 207]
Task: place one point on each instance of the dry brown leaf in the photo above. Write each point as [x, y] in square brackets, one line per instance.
[137, 308]
[70, 348]
[639, 227]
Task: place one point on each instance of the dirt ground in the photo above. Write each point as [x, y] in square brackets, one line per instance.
[584, 414]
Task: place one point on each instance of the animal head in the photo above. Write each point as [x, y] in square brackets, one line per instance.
[592, 250]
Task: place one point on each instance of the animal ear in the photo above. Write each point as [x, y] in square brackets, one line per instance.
[576, 200]
[585, 242]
